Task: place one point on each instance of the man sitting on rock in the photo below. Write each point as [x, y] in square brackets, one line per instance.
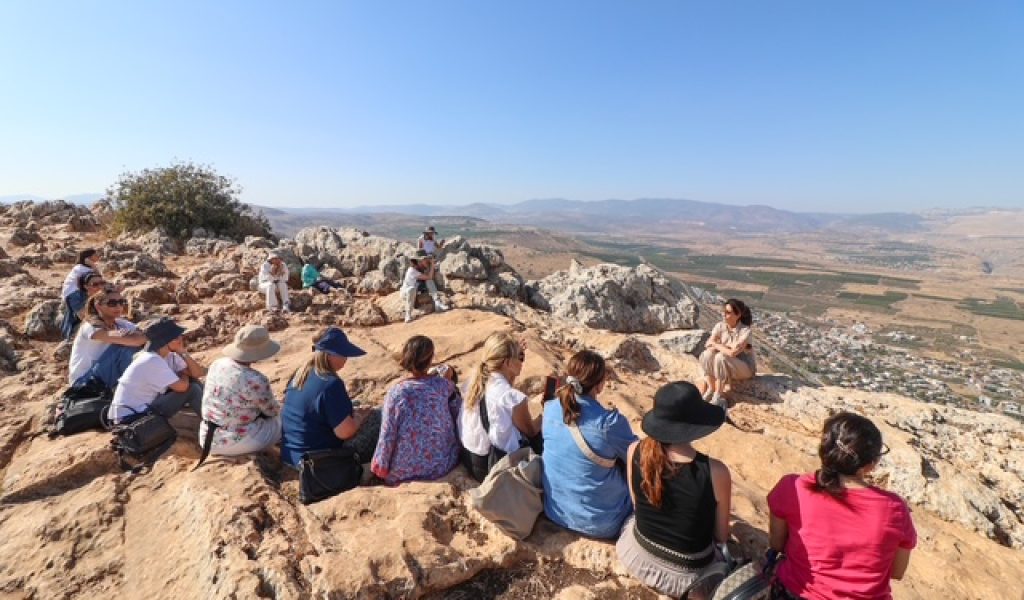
[421, 269]
[162, 378]
[274, 283]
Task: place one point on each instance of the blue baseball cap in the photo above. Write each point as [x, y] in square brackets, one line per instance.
[336, 342]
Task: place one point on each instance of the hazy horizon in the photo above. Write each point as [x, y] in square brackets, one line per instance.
[853, 108]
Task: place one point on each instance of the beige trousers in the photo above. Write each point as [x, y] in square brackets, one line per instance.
[725, 368]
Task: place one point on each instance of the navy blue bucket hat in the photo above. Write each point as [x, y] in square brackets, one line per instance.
[161, 333]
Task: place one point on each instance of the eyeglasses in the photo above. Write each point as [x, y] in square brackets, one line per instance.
[522, 356]
[885, 450]
[113, 303]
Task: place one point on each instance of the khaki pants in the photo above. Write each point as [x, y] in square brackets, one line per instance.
[725, 368]
[273, 289]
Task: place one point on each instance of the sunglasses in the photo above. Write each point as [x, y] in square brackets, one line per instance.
[113, 303]
[522, 357]
[885, 450]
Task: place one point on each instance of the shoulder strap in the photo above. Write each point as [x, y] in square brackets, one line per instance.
[484, 420]
[600, 461]
[207, 444]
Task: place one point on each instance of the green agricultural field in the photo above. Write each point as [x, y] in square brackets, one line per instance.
[885, 300]
[1000, 308]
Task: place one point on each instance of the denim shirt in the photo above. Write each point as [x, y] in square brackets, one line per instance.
[579, 494]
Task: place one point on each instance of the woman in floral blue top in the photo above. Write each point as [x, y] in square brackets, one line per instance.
[418, 439]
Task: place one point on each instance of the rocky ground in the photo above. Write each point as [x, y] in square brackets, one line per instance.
[73, 525]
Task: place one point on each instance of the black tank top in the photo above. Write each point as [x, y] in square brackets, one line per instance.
[686, 520]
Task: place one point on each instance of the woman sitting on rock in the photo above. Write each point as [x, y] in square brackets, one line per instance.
[311, 278]
[841, 536]
[161, 379]
[274, 283]
[585, 446]
[418, 436]
[680, 496]
[420, 271]
[509, 425]
[102, 328]
[74, 294]
[728, 354]
[239, 408]
[317, 413]
[428, 242]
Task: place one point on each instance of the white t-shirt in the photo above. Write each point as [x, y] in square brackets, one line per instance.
[501, 398]
[411, 281]
[146, 378]
[85, 351]
[71, 281]
[429, 246]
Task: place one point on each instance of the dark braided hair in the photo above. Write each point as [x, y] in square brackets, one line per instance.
[849, 442]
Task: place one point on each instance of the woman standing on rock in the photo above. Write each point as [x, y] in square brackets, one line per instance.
[681, 496]
[585, 446]
[74, 294]
[729, 354]
[841, 536]
[506, 425]
[103, 327]
[274, 283]
[240, 413]
[318, 413]
[418, 436]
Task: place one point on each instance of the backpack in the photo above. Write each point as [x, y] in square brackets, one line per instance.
[82, 407]
[745, 580]
[142, 441]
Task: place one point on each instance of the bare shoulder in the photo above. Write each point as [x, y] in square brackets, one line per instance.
[719, 469]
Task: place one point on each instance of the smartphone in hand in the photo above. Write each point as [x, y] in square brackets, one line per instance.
[550, 385]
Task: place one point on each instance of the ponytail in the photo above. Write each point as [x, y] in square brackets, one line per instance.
[654, 465]
[319, 363]
[849, 442]
[476, 389]
[586, 371]
[498, 348]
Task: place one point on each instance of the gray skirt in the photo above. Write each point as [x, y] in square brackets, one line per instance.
[665, 577]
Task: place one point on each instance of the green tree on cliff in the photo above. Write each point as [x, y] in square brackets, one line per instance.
[180, 198]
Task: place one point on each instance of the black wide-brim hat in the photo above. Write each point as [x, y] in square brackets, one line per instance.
[680, 415]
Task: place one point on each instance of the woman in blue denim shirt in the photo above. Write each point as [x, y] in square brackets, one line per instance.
[585, 493]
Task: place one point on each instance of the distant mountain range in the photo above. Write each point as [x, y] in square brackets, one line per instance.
[75, 198]
[658, 214]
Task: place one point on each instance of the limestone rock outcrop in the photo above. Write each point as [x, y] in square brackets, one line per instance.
[616, 298]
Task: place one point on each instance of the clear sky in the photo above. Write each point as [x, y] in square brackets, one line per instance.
[810, 105]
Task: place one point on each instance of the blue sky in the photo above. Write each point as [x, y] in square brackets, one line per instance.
[812, 105]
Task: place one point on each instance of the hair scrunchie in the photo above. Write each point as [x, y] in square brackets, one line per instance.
[574, 384]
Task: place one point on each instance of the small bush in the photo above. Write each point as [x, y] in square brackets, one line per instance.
[180, 198]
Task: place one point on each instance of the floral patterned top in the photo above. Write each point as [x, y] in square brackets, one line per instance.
[234, 396]
[418, 438]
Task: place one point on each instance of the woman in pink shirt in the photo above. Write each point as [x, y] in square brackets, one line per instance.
[841, 537]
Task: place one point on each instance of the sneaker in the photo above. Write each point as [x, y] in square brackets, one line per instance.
[719, 400]
[439, 305]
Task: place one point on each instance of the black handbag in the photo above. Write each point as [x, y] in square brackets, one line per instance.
[82, 407]
[143, 440]
[326, 473]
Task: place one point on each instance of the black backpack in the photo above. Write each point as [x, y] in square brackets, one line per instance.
[142, 441]
[82, 407]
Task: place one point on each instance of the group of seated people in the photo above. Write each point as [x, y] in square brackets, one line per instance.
[666, 503]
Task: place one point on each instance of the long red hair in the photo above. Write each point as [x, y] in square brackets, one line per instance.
[654, 466]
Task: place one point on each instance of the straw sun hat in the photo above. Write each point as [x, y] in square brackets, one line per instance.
[252, 343]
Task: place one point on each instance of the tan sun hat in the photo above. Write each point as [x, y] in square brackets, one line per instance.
[252, 343]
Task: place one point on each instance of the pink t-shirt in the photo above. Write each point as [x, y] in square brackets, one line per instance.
[840, 548]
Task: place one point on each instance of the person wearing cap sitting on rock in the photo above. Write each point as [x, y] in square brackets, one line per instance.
[428, 242]
[681, 497]
[239, 408]
[311, 278]
[585, 444]
[102, 329]
[318, 413]
[418, 437]
[161, 378]
[273, 281]
[421, 269]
